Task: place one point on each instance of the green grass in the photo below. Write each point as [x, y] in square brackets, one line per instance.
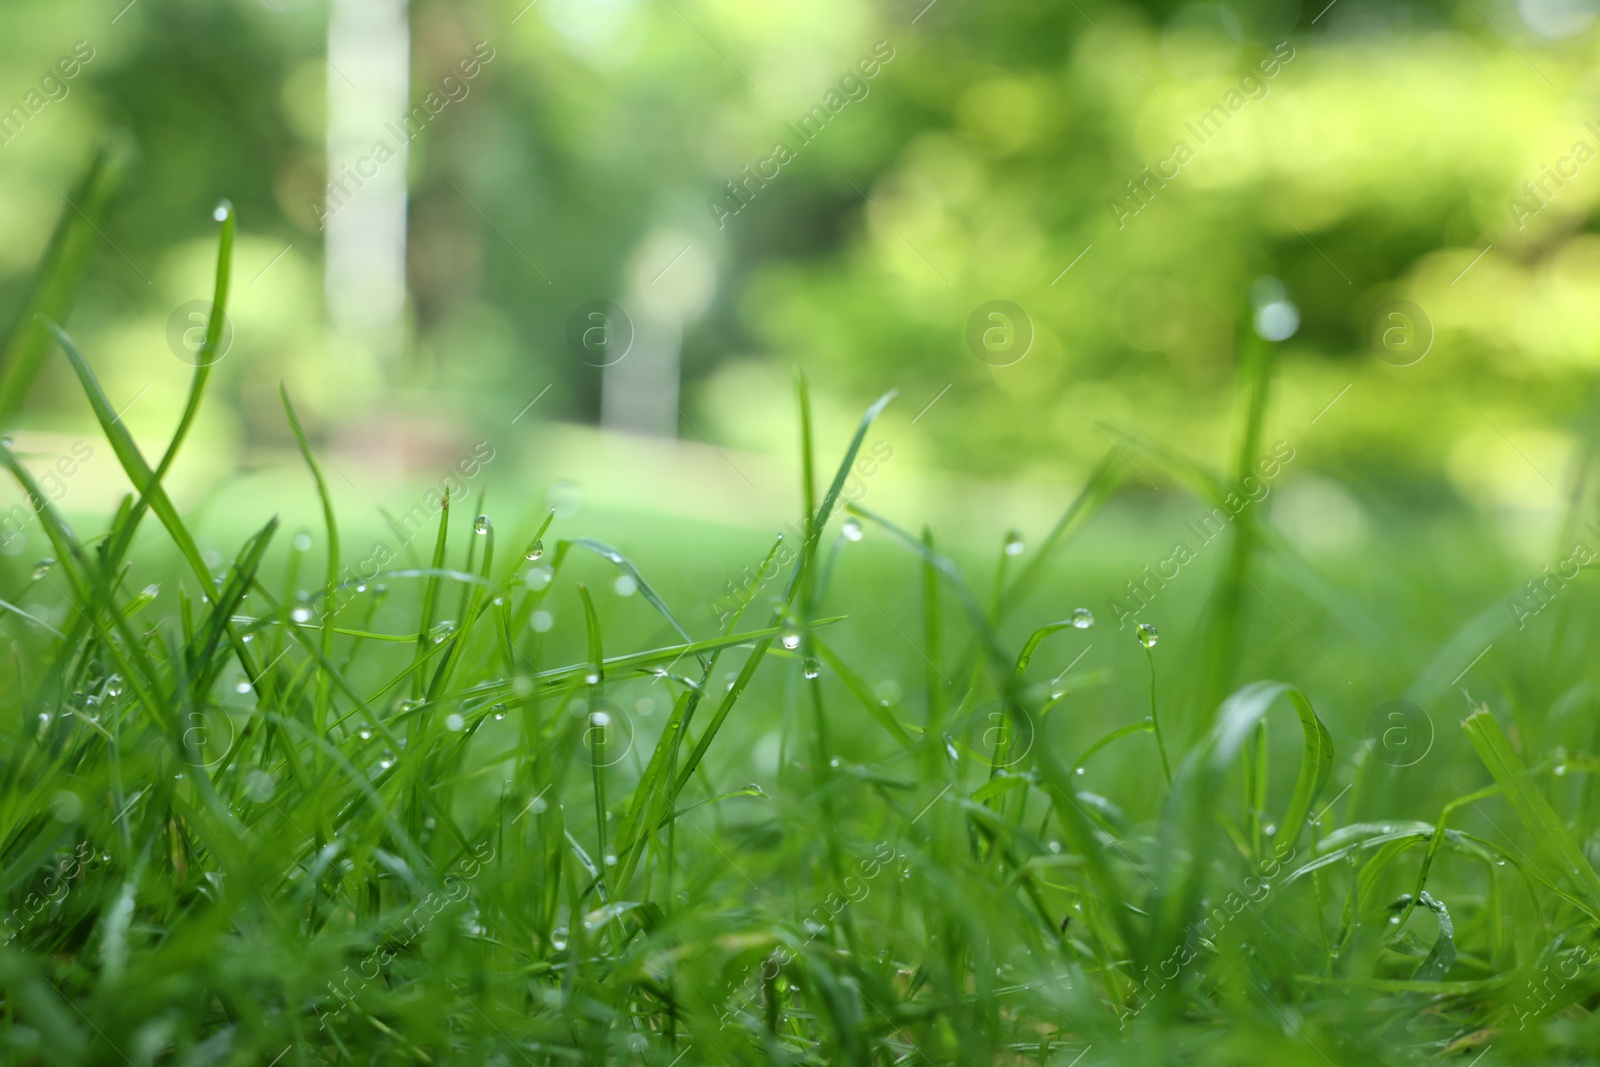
[270, 813]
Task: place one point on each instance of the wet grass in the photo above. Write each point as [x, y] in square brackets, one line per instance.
[459, 812]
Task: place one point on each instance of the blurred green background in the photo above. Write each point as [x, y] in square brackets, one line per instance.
[1337, 163]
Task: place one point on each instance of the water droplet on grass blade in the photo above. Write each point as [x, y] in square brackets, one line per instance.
[790, 636]
[1146, 634]
[1082, 618]
[114, 685]
[302, 542]
[813, 667]
[851, 530]
[1014, 544]
[42, 568]
[481, 525]
[454, 723]
[301, 614]
[536, 551]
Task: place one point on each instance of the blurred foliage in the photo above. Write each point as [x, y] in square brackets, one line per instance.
[983, 159]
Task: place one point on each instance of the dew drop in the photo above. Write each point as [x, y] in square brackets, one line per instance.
[834, 762]
[1560, 769]
[365, 733]
[302, 542]
[1014, 544]
[536, 551]
[1055, 846]
[242, 688]
[790, 636]
[1270, 829]
[541, 621]
[114, 686]
[482, 524]
[1078, 770]
[813, 667]
[592, 678]
[1146, 635]
[600, 719]
[625, 585]
[301, 614]
[454, 723]
[42, 568]
[1082, 618]
[222, 211]
[851, 530]
[558, 938]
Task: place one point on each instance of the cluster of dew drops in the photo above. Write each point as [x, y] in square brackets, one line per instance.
[1014, 545]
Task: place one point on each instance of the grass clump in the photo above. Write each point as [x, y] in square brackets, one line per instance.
[392, 821]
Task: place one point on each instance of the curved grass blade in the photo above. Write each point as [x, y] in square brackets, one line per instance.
[324, 691]
[627, 567]
[128, 455]
[858, 688]
[74, 240]
[1188, 831]
[1564, 862]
